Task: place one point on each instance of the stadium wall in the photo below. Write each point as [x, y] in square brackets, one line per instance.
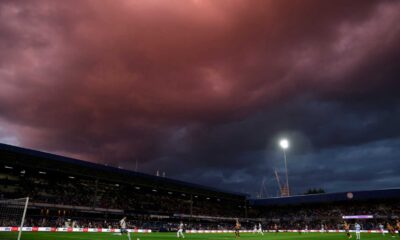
[293, 231]
[54, 229]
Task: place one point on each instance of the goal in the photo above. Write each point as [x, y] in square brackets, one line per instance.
[12, 213]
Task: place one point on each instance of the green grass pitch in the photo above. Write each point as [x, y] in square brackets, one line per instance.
[197, 236]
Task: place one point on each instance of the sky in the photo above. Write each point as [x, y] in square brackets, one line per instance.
[204, 89]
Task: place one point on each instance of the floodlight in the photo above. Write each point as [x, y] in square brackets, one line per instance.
[284, 143]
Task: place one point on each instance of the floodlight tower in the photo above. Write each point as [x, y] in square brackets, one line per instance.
[284, 143]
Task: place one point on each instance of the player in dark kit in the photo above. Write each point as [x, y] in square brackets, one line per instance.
[398, 226]
[237, 229]
[299, 228]
[390, 229]
[346, 227]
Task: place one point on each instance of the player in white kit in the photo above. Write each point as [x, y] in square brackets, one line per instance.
[358, 231]
[260, 229]
[382, 229]
[255, 228]
[179, 233]
[122, 224]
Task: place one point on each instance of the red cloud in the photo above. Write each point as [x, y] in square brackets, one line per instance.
[100, 79]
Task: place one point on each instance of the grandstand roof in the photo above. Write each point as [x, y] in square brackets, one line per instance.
[329, 197]
[37, 159]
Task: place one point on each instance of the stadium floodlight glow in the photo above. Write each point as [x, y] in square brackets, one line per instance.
[8, 167]
[154, 190]
[196, 196]
[170, 193]
[71, 177]
[284, 143]
[137, 188]
[40, 172]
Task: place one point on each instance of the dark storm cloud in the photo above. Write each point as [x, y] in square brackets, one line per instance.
[208, 86]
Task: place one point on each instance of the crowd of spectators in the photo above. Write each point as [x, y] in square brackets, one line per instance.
[93, 193]
[143, 203]
[329, 215]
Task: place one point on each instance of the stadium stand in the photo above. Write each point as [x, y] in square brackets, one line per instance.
[328, 209]
[62, 188]
[69, 192]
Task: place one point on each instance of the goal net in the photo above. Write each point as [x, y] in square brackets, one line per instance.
[12, 214]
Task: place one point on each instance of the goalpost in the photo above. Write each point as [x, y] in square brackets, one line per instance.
[13, 212]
